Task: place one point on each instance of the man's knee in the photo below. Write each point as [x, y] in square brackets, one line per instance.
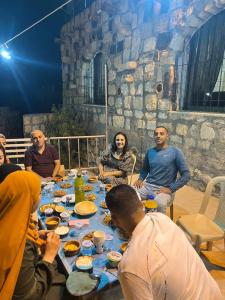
[162, 199]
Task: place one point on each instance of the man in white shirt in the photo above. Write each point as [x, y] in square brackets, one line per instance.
[159, 262]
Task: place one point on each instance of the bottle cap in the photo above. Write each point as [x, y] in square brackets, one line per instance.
[151, 197]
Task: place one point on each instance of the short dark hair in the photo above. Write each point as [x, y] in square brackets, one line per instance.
[123, 200]
[162, 127]
[7, 169]
[114, 148]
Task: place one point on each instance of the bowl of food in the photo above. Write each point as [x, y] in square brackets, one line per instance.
[43, 207]
[84, 263]
[62, 231]
[52, 223]
[71, 248]
[59, 193]
[92, 179]
[59, 209]
[88, 188]
[65, 216]
[66, 185]
[48, 212]
[114, 258]
[90, 197]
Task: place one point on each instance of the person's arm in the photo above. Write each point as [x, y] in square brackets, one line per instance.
[55, 157]
[135, 288]
[56, 168]
[143, 172]
[35, 279]
[183, 171]
[28, 161]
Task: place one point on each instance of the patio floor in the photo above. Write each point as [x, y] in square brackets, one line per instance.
[187, 201]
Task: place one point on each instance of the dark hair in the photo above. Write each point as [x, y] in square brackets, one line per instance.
[123, 200]
[114, 148]
[3, 151]
[7, 169]
[162, 127]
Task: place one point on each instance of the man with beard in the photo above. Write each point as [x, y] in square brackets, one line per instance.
[159, 262]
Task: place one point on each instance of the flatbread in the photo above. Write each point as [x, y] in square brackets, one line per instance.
[80, 283]
[85, 208]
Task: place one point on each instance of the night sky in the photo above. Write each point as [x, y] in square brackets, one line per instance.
[31, 81]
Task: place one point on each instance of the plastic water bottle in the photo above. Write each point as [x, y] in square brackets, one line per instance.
[150, 204]
[79, 188]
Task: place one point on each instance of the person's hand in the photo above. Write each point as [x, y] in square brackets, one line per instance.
[165, 190]
[139, 183]
[43, 234]
[52, 246]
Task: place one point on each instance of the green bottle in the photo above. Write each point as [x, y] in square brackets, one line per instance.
[79, 188]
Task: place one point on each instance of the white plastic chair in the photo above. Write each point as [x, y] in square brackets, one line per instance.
[199, 227]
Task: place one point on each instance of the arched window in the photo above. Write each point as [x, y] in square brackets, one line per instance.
[205, 89]
[99, 77]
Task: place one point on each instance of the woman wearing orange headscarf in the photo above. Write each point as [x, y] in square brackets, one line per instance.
[19, 192]
[23, 275]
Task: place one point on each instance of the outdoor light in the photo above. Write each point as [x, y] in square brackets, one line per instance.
[5, 54]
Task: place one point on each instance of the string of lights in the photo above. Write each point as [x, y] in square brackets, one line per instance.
[4, 46]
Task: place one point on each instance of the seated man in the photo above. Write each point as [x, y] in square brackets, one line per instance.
[161, 166]
[41, 158]
[159, 262]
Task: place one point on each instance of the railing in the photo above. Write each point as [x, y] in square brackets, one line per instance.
[74, 151]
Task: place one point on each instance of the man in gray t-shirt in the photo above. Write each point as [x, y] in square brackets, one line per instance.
[161, 165]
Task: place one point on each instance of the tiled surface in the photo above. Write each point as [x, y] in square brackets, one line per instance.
[187, 201]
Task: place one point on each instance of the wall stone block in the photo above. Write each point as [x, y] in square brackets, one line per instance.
[111, 75]
[124, 89]
[112, 89]
[138, 103]
[118, 121]
[128, 113]
[151, 125]
[141, 124]
[127, 102]
[149, 44]
[138, 114]
[207, 132]
[151, 102]
[127, 124]
[182, 129]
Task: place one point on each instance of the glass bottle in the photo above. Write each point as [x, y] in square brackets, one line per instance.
[79, 188]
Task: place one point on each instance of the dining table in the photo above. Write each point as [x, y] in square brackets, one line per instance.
[108, 277]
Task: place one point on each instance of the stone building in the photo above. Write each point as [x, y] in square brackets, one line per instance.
[139, 56]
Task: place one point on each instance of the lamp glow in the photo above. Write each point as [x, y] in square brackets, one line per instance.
[5, 54]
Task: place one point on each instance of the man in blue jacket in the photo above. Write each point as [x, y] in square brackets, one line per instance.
[161, 166]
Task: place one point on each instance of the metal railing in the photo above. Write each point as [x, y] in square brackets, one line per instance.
[74, 151]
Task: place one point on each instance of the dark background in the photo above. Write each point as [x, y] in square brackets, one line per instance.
[31, 81]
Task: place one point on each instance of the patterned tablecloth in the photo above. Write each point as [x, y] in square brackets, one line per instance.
[100, 262]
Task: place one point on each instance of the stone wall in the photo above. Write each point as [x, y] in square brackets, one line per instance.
[34, 121]
[142, 52]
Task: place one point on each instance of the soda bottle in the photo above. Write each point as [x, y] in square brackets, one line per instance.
[79, 188]
[150, 204]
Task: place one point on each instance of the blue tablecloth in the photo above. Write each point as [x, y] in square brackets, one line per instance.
[100, 262]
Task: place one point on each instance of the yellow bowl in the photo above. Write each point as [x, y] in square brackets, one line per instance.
[52, 222]
[71, 248]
